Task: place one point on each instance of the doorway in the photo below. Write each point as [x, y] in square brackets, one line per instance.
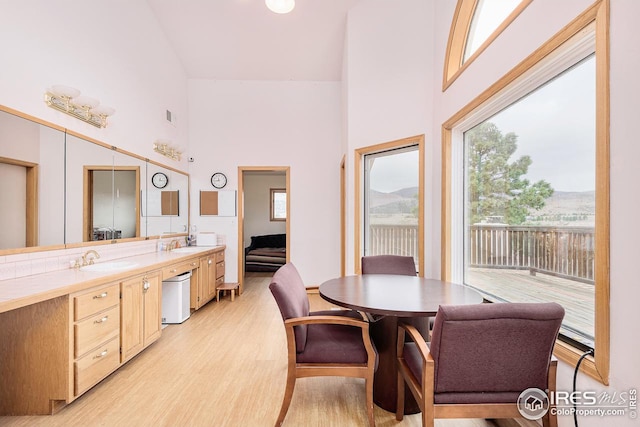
[263, 210]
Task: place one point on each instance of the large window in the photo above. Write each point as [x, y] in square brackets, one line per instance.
[529, 209]
[525, 208]
[390, 200]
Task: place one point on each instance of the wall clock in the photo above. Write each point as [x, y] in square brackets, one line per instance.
[159, 180]
[218, 180]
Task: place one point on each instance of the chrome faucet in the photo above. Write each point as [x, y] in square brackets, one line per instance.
[88, 261]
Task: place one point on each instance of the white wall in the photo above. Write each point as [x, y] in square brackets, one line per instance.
[389, 76]
[113, 51]
[257, 205]
[295, 124]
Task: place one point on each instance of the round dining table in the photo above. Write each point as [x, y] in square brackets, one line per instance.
[387, 298]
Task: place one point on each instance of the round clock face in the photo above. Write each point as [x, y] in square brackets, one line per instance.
[159, 180]
[218, 180]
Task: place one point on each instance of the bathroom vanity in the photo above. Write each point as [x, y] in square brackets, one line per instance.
[63, 332]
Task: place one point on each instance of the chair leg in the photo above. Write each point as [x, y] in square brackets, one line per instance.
[288, 394]
[368, 385]
[400, 396]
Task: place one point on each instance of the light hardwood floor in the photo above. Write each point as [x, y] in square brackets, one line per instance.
[225, 366]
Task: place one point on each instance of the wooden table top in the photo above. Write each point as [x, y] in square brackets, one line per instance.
[396, 295]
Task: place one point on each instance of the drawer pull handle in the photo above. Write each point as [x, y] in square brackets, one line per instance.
[103, 354]
[104, 319]
[193, 264]
[209, 262]
[173, 270]
[102, 295]
[145, 285]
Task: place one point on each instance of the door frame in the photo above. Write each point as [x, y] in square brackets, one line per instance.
[241, 171]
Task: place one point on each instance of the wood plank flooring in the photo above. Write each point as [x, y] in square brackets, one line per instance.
[225, 366]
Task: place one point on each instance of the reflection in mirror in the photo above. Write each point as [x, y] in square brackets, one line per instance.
[166, 210]
[32, 173]
[84, 162]
[129, 177]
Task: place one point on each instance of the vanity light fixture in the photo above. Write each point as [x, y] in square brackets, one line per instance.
[164, 148]
[69, 101]
[280, 6]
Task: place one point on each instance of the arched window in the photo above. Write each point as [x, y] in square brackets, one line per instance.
[476, 23]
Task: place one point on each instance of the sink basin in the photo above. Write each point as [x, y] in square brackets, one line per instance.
[109, 266]
[188, 250]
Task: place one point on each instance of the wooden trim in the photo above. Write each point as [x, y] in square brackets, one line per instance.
[598, 366]
[30, 118]
[343, 217]
[359, 155]
[459, 34]
[31, 195]
[241, 171]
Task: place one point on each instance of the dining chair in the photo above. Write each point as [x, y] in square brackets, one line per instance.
[400, 265]
[480, 359]
[321, 343]
[388, 264]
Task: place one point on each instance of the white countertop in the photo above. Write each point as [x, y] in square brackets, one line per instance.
[23, 291]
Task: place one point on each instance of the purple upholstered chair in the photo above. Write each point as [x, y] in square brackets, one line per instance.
[388, 264]
[321, 343]
[481, 357]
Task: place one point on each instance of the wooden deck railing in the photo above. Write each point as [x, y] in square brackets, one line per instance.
[393, 240]
[561, 251]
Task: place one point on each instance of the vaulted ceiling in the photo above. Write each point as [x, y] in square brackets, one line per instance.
[243, 40]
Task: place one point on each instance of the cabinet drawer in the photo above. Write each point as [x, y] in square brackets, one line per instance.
[220, 269]
[174, 270]
[219, 256]
[96, 365]
[97, 329]
[219, 281]
[95, 301]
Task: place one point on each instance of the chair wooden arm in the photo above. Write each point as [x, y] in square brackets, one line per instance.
[416, 337]
[334, 320]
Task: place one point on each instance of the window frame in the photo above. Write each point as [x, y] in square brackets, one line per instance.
[459, 34]
[359, 195]
[597, 15]
[272, 212]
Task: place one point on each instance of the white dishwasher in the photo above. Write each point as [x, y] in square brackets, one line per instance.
[175, 298]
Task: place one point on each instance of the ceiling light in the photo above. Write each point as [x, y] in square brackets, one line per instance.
[280, 6]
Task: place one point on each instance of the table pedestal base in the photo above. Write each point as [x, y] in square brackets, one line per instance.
[384, 334]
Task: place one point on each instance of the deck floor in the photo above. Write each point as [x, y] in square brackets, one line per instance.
[578, 299]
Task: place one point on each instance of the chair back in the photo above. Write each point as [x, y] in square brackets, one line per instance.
[388, 264]
[494, 348]
[290, 294]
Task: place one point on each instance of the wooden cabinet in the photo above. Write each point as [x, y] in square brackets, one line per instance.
[96, 332]
[57, 344]
[210, 276]
[141, 312]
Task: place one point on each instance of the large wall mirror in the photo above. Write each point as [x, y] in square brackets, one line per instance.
[93, 193]
[32, 176]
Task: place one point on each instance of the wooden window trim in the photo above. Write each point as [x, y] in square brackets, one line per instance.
[596, 366]
[359, 158]
[272, 194]
[459, 34]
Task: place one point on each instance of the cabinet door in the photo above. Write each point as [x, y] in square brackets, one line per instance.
[203, 282]
[212, 278]
[132, 340]
[152, 299]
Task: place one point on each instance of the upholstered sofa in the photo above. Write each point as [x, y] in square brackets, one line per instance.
[266, 253]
